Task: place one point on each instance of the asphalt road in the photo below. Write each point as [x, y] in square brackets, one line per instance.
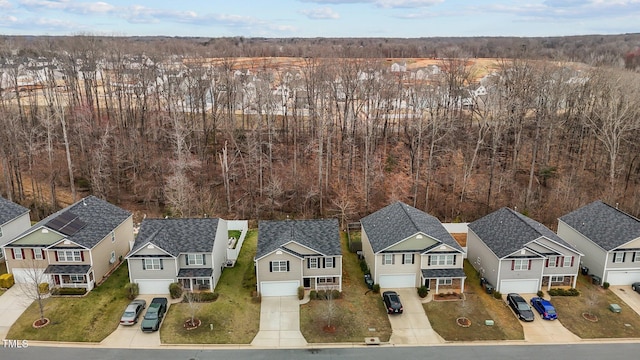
[609, 351]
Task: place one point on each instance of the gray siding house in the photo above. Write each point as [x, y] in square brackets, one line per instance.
[609, 238]
[14, 220]
[519, 255]
[77, 246]
[294, 253]
[192, 252]
[405, 247]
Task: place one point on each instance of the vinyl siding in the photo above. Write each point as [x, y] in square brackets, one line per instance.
[594, 256]
[488, 264]
[294, 273]
[137, 272]
[335, 271]
[101, 253]
[413, 243]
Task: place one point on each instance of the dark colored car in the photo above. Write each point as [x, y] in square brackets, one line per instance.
[132, 312]
[544, 308]
[636, 287]
[153, 316]
[392, 302]
[520, 307]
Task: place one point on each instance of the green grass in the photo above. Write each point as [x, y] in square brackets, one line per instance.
[87, 319]
[478, 307]
[235, 317]
[595, 300]
[358, 311]
[3, 270]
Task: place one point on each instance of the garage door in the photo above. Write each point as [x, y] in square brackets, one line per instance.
[398, 281]
[519, 286]
[620, 277]
[155, 286]
[21, 275]
[279, 288]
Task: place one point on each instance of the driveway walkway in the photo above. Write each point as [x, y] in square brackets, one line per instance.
[626, 294]
[279, 323]
[541, 331]
[12, 304]
[412, 327]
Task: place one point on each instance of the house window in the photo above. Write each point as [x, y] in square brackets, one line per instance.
[521, 264]
[326, 280]
[69, 256]
[407, 258]
[313, 263]
[328, 262]
[618, 257]
[279, 266]
[202, 282]
[17, 254]
[37, 254]
[442, 259]
[387, 259]
[636, 256]
[152, 264]
[552, 261]
[195, 259]
[568, 261]
[113, 236]
[557, 279]
[0, 232]
[77, 279]
[445, 281]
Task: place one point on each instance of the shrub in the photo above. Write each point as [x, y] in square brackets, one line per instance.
[336, 294]
[563, 292]
[322, 294]
[313, 295]
[175, 290]
[132, 290]
[364, 266]
[376, 288]
[6, 281]
[497, 295]
[423, 291]
[300, 292]
[69, 291]
[43, 288]
[206, 296]
[540, 293]
[605, 285]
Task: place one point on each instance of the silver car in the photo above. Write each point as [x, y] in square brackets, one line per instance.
[132, 312]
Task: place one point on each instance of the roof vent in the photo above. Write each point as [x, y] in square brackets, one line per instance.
[418, 236]
[45, 230]
[523, 251]
[443, 247]
[150, 246]
[67, 242]
[278, 252]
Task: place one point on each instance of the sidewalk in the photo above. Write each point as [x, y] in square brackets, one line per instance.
[12, 304]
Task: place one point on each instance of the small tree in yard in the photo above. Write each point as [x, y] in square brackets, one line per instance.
[193, 303]
[331, 308]
[35, 276]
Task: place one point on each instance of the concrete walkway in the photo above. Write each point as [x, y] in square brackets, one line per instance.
[541, 331]
[12, 304]
[279, 323]
[412, 327]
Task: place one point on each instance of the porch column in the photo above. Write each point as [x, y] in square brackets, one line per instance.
[462, 286]
[575, 280]
[548, 283]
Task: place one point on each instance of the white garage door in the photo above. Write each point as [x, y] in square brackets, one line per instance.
[620, 277]
[519, 286]
[279, 288]
[398, 281]
[155, 286]
[22, 275]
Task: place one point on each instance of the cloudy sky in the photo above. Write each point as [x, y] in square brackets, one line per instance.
[319, 18]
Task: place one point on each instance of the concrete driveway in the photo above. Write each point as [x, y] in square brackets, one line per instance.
[412, 327]
[279, 323]
[131, 337]
[626, 294]
[12, 304]
[541, 331]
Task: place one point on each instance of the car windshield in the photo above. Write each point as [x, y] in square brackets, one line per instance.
[129, 314]
[393, 298]
[151, 316]
[523, 306]
[551, 311]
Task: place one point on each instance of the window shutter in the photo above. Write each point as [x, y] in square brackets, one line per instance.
[529, 265]
[186, 259]
[624, 255]
[43, 254]
[393, 259]
[546, 263]
[161, 265]
[56, 254]
[270, 266]
[429, 261]
[413, 258]
[204, 259]
[513, 264]
[557, 261]
[572, 260]
[33, 254]
[454, 259]
[287, 265]
[81, 255]
[22, 252]
[333, 262]
[308, 263]
[13, 253]
[324, 262]
[144, 265]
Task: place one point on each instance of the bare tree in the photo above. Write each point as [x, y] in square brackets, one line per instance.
[34, 276]
[194, 305]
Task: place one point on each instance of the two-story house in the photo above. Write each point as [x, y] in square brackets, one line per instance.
[519, 255]
[192, 252]
[75, 247]
[294, 253]
[405, 247]
[14, 220]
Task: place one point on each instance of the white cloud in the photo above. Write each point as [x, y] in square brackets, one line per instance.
[320, 13]
[98, 7]
[5, 4]
[381, 3]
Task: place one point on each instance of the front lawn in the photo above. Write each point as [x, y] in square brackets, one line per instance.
[358, 314]
[595, 300]
[478, 307]
[86, 319]
[234, 316]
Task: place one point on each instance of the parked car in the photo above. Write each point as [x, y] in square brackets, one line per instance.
[636, 287]
[392, 302]
[153, 316]
[520, 307]
[544, 308]
[132, 312]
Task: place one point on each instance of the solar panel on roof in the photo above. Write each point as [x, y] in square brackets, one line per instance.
[73, 227]
[67, 223]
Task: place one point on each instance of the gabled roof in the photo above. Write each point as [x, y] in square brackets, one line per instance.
[93, 219]
[10, 210]
[399, 221]
[321, 235]
[603, 224]
[506, 231]
[177, 236]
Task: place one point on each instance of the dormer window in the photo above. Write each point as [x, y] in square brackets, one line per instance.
[195, 259]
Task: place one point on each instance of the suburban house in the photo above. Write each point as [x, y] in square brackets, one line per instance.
[75, 247]
[519, 255]
[407, 248]
[609, 239]
[294, 253]
[14, 220]
[192, 252]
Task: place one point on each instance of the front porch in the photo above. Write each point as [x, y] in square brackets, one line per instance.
[71, 276]
[559, 281]
[195, 280]
[444, 280]
[322, 283]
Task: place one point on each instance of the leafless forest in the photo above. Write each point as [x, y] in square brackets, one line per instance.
[270, 128]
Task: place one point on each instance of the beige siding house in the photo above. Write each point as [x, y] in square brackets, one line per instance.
[405, 247]
[294, 253]
[78, 246]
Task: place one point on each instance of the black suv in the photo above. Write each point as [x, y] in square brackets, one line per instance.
[392, 302]
[153, 316]
[520, 307]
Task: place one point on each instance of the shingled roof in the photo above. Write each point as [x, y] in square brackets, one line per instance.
[177, 236]
[321, 235]
[506, 231]
[399, 221]
[603, 224]
[10, 210]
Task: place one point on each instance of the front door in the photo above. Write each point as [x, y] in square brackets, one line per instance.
[307, 283]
